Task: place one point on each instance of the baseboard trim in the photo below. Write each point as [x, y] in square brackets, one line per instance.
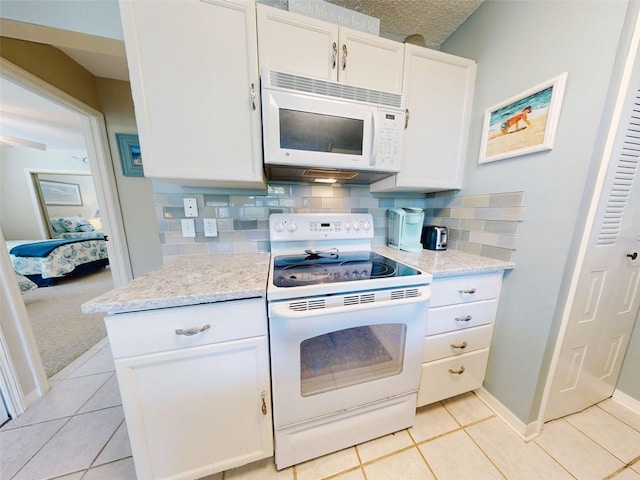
[629, 402]
[525, 431]
[31, 397]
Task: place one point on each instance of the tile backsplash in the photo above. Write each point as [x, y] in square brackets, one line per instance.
[486, 225]
[483, 224]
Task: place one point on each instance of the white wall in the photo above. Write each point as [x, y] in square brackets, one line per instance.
[517, 45]
[19, 215]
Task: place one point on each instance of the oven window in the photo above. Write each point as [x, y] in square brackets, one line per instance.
[352, 356]
[320, 133]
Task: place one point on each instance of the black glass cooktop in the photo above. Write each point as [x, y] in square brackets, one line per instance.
[331, 266]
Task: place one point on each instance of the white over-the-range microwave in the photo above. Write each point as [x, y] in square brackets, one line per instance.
[321, 131]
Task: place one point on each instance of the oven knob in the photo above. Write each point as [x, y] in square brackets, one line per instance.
[347, 226]
[279, 227]
[366, 225]
[363, 275]
[356, 226]
[292, 227]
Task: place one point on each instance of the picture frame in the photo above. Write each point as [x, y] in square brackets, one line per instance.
[130, 155]
[60, 193]
[523, 124]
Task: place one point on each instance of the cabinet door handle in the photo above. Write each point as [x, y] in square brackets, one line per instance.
[633, 255]
[466, 318]
[334, 56]
[459, 371]
[344, 56]
[469, 291]
[406, 118]
[264, 402]
[192, 331]
[253, 96]
[461, 346]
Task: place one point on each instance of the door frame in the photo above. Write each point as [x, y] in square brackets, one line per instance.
[102, 171]
[605, 164]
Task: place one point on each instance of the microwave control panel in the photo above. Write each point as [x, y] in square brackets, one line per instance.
[389, 128]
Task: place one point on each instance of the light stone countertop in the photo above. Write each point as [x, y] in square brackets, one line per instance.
[196, 279]
[189, 280]
[446, 263]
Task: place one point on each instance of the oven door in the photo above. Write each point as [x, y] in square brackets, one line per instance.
[335, 353]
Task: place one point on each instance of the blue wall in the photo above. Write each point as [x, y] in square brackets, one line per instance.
[519, 44]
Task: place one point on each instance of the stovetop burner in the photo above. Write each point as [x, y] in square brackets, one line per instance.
[332, 266]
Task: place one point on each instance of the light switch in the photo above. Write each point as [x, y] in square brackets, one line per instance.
[190, 207]
[188, 227]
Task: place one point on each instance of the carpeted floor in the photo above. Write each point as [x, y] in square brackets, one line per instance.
[61, 330]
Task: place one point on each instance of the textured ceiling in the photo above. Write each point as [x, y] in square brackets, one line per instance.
[435, 20]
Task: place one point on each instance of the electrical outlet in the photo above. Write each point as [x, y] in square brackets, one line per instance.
[210, 227]
[188, 227]
[190, 207]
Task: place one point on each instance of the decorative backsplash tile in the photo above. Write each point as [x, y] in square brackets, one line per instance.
[485, 225]
[481, 224]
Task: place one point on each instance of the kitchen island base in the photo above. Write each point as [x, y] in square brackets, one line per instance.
[195, 390]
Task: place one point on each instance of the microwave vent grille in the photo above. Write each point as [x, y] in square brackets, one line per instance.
[334, 90]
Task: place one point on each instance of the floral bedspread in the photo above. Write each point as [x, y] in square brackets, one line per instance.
[61, 261]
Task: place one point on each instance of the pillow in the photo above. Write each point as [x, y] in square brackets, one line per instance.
[56, 225]
[76, 224]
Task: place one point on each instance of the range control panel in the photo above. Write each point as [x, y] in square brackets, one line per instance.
[319, 226]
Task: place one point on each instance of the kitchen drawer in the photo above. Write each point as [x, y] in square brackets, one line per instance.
[456, 317]
[153, 331]
[467, 288]
[465, 341]
[438, 382]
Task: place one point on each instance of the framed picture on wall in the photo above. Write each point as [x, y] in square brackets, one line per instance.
[525, 123]
[60, 193]
[130, 156]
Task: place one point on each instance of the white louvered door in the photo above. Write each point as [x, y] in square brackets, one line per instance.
[607, 298]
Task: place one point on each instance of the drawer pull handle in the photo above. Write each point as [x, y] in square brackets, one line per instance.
[459, 371]
[461, 346]
[469, 291]
[192, 331]
[264, 403]
[466, 318]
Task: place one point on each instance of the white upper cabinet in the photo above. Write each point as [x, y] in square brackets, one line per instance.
[194, 78]
[438, 91]
[298, 44]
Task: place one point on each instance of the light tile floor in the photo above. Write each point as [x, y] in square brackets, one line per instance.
[77, 432]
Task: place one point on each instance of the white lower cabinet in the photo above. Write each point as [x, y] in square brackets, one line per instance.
[459, 330]
[195, 403]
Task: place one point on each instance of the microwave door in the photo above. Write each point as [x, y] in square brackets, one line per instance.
[309, 131]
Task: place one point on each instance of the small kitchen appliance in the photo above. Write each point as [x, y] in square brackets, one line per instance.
[405, 228]
[346, 334]
[434, 237]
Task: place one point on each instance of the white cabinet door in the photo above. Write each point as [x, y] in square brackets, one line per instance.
[194, 79]
[302, 45]
[196, 411]
[371, 62]
[438, 90]
[293, 43]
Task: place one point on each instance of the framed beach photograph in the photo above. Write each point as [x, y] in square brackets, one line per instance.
[525, 123]
[60, 193]
[130, 156]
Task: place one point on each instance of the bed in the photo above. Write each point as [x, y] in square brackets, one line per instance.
[45, 261]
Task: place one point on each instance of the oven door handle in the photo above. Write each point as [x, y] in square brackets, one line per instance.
[315, 307]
